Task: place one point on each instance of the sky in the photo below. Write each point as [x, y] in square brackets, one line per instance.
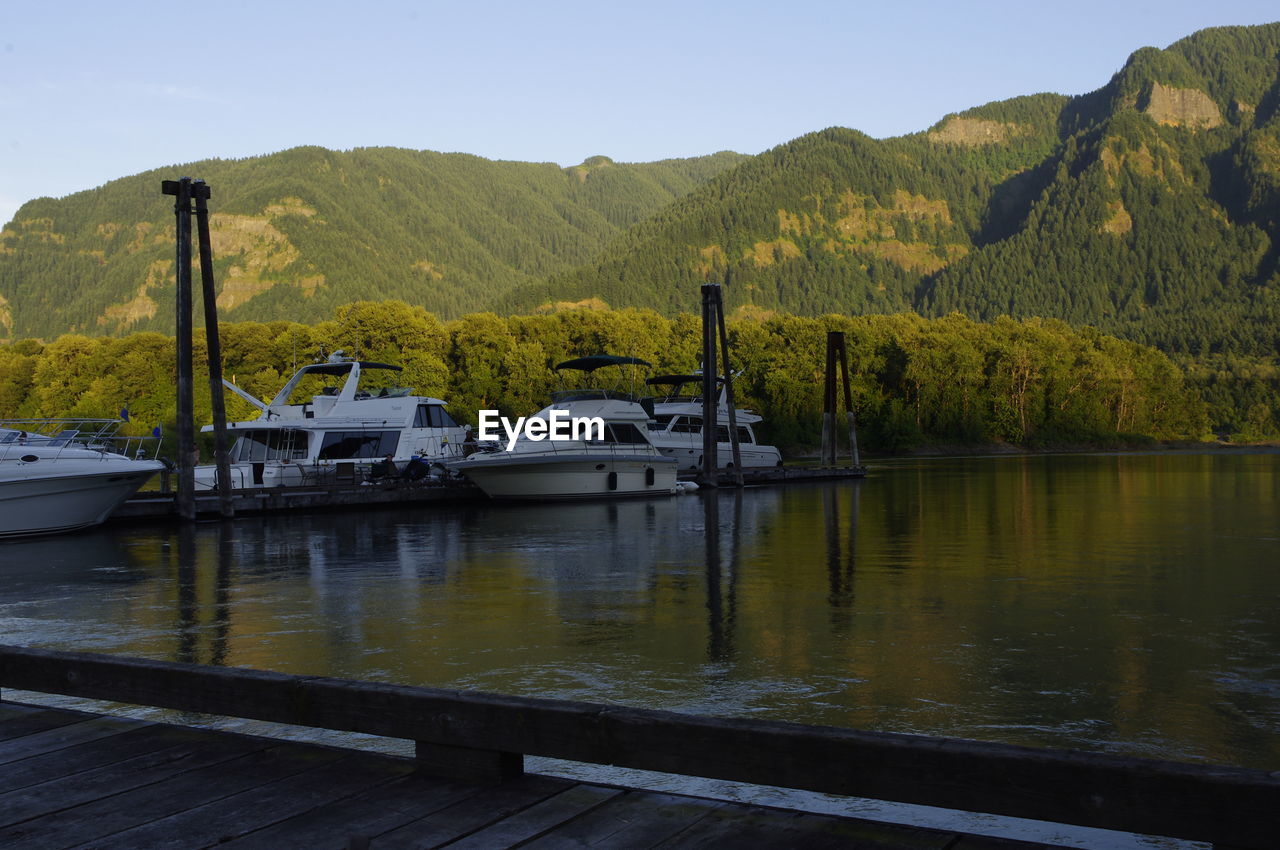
[93, 91]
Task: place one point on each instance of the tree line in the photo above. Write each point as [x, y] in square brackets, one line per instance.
[951, 380]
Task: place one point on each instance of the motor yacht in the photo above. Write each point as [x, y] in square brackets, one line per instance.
[676, 429]
[614, 459]
[64, 474]
[332, 422]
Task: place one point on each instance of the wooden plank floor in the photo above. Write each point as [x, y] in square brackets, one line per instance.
[72, 779]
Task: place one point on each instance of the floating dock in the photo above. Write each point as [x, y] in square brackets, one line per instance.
[150, 505]
[160, 505]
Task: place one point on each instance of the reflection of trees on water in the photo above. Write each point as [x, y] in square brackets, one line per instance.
[1066, 601]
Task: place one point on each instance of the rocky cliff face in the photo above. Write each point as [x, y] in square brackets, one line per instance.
[1181, 107]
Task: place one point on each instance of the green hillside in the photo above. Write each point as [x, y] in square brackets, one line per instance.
[1148, 208]
[299, 233]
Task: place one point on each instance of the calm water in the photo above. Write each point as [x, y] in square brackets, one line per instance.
[1126, 604]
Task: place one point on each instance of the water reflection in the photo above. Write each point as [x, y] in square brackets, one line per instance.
[1121, 603]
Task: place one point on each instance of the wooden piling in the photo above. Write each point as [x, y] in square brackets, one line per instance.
[837, 362]
[181, 189]
[201, 193]
[710, 466]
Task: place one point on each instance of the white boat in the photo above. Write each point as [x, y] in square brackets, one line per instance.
[325, 424]
[613, 461]
[64, 474]
[676, 428]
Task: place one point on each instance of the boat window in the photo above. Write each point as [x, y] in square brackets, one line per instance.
[687, 425]
[343, 445]
[433, 416]
[745, 435]
[270, 444]
[623, 432]
[660, 422]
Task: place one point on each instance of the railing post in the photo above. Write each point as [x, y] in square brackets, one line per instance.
[466, 763]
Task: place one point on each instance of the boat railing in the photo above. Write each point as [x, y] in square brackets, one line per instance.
[101, 435]
[589, 394]
[678, 399]
[606, 450]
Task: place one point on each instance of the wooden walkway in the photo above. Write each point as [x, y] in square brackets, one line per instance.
[69, 779]
[72, 779]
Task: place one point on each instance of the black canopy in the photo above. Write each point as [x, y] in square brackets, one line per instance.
[342, 367]
[597, 361]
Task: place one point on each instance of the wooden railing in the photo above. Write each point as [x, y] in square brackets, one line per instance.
[485, 736]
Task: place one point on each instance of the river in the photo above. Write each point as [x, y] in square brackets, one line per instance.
[1122, 603]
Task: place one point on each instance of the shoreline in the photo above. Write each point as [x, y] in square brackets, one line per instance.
[944, 450]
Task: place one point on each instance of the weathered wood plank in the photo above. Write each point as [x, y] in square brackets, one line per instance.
[473, 813]
[1201, 802]
[99, 819]
[14, 724]
[61, 737]
[362, 816]
[239, 814]
[761, 829]
[88, 786]
[637, 819]
[93, 754]
[538, 819]
[467, 763]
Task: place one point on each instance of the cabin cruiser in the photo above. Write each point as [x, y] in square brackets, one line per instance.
[64, 474]
[604, 453]
[329, 424]
[676, 428]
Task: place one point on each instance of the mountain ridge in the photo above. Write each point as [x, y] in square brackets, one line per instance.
[1147, 208]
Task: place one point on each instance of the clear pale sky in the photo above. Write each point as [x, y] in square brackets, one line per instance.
[93, 91]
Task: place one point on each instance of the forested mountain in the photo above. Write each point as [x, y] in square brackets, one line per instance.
[1148, 208]
[299, 233]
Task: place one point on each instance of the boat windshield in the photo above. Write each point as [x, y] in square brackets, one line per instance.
[344, 445]
[433, 416]
[621, 432]
[270, 444]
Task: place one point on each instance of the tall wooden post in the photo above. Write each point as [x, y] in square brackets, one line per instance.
[200, 190]
[735, 449]
[186, 403]
[837, 359]
[848, 400]
[710, 468]
[829, 405]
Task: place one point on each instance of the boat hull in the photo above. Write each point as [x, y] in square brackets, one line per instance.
[70, 498]
[753, 457]
[569, 477]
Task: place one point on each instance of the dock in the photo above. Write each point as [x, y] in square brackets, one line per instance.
[331, 493]
[70, 778]
[153, 505]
